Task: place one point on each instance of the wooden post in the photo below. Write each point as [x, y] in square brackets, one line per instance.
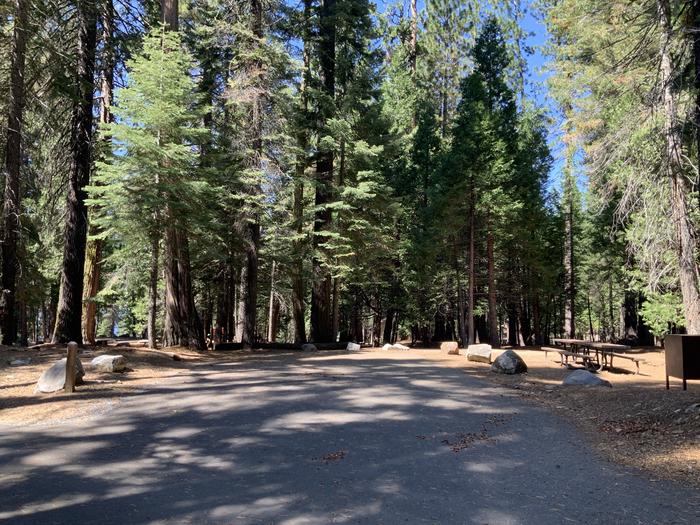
[71, 359]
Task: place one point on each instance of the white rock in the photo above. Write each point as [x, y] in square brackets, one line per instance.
[479, 353]
[449, 347]
[20, 361]
[395, 347]
[353, 347]
[109, 363]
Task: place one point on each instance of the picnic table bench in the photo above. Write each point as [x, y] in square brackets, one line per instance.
[602, 356]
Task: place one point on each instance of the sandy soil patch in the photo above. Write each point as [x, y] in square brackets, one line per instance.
[20, 405]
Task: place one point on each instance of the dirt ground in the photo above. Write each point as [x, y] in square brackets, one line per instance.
[637, 422]
[20, 405]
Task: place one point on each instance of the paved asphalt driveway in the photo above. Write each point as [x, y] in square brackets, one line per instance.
[364, 438]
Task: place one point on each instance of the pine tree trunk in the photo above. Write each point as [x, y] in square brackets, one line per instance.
[93, 261]
[297, 270]
[472, 278]
[298, 309]
[68, 316]
[13, 160]
[169, 14]
[414, 37]
[153, 293]
[685, 235]
[388, 325]
[321, 321]
[494, 336]
[182, 326]
[248, 294]
[569, 268]
[696, 61]
[271, 317]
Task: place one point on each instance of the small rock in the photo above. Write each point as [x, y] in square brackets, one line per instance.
[479, 353]
[309, 347]
[449, 347]
[353, 347]
[509, 363]
[693, 409]
[584, 378]
[20, 362]
[109, 363]
[54, 378]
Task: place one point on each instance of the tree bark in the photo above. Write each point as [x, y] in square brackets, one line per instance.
[321, 322]
[685, 237]
[13, 161]
[93, 261]
[68, 316]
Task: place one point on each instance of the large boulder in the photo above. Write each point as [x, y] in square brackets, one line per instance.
[353, 347]
[479, 353]
[584, 378]
[509, 363]
[309, 347]
[108, 363]
[450, 347]
[54, 379]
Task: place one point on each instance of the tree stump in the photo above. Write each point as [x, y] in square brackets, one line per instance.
[70, 367]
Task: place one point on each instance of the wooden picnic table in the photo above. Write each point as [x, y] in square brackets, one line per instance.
[578, 349]
[608, 351]
[603, 352]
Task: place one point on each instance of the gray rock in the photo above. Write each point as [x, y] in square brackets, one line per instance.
[109, 363]
[479, 353]
[54, 379]
[693, 409]
[509, 363]
[450, 347]
[353, 347]
[584, 378]
[20, 361]
[309, 347]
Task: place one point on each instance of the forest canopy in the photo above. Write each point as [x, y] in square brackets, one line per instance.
[266, 171]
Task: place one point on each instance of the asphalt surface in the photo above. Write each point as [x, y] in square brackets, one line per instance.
[365, 438]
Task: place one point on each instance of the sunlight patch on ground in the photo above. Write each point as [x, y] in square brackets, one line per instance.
[311, 420]
[65, 500]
